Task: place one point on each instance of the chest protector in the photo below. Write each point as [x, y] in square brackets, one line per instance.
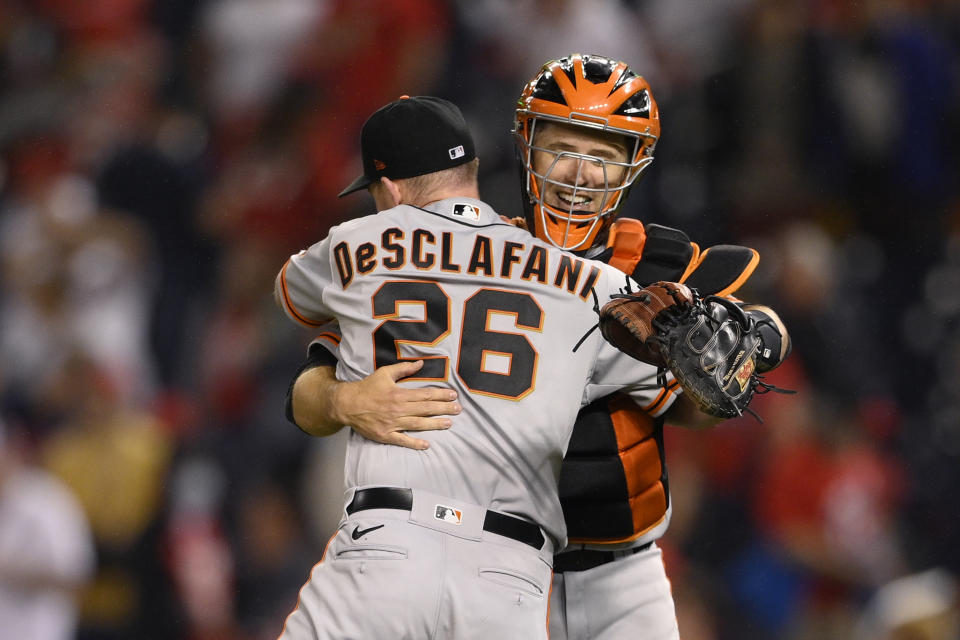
[613, 483]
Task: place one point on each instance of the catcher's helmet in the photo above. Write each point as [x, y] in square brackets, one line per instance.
[599, 96]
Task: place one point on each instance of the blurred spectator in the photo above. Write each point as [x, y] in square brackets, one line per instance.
[252, 44]
[46, 550]
[73, 274]
[198, 555]
[233, 349]
[146, 160]
[919, 606]
[818, 285]
[764, 123]
[261, 197]
[825, 503]
[115, 458]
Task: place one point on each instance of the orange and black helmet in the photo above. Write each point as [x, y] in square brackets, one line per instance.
[594, 94]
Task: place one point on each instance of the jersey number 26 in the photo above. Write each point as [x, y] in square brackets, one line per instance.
[478, 342]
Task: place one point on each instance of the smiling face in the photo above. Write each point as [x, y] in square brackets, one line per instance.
[568, 181]
[585, 128]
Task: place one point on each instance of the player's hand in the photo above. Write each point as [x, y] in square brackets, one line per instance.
[380, 410]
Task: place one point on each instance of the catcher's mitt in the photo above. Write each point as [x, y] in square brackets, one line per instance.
[627, 321]
[710, 345]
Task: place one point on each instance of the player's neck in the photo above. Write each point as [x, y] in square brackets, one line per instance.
[443, 194]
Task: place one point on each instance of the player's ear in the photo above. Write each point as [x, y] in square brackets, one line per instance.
[393, 189]
[386, 194]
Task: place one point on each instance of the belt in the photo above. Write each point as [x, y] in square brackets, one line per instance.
[493, 522]
[584, 559]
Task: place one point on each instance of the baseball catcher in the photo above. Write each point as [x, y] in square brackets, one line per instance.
[714, 347]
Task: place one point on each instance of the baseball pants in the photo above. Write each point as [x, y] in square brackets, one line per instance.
[433, 571]
[624, 599]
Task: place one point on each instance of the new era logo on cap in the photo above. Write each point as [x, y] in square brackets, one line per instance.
[457, 152]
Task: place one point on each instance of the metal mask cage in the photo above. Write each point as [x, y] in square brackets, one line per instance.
[611, 196]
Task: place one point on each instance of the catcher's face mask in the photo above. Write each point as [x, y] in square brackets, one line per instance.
[585, 130]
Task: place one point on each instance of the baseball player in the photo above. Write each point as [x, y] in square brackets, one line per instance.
[609, 582]
[577, 114]
[455, 540]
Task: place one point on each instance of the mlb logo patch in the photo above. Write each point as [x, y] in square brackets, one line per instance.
[456, 152]
[466, 211]
[448, 514]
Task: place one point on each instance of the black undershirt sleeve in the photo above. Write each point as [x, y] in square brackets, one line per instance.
[316, 357]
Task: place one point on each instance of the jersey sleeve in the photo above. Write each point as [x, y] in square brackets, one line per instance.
[301, 282]
[325, 347]
[654, 391]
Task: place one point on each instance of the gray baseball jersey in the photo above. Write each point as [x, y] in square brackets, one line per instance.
[606, 602]
[496, 314]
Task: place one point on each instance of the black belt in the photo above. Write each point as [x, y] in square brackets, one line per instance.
[584, 559]
[494, 522]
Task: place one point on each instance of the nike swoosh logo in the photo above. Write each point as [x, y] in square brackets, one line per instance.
[359, 533]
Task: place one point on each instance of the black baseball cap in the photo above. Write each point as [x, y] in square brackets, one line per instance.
[411, 137]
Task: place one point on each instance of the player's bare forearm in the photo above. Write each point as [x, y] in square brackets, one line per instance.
[313, 403]
[685, 413]
[375, 407]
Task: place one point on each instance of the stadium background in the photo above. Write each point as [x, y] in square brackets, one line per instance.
[161, 159]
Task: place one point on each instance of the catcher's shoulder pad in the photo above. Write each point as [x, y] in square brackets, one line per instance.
[654, 253]
[722, 269]
[626, 241]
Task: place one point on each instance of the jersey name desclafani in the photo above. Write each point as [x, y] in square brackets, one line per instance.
[487, 257]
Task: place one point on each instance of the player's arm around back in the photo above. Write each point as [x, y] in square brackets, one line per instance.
[376, 407]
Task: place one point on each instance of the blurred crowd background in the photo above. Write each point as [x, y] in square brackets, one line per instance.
[162, 158]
